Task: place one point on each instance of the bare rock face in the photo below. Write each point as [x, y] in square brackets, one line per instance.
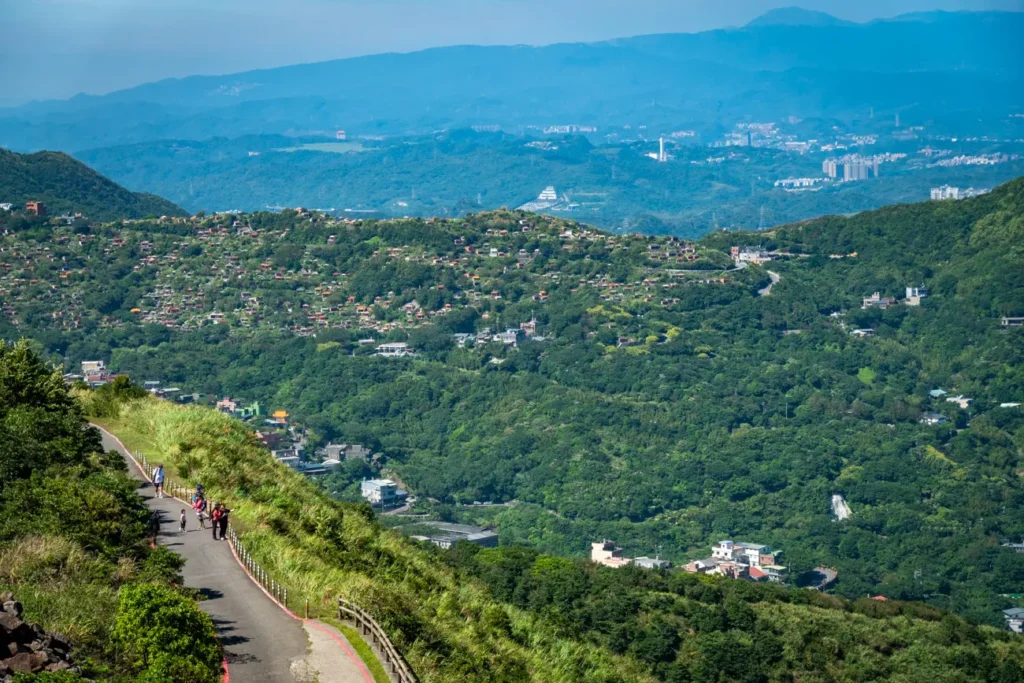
[27, 648]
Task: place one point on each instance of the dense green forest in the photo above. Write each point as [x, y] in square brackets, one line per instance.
[69, 186]
[662, 402]
[75, 542]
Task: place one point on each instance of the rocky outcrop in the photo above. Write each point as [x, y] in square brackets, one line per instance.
[27, 648]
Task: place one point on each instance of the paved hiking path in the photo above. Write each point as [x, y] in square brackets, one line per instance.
[262, 642]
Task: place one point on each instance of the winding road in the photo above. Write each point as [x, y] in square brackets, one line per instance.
[768, 290]
[262, 643]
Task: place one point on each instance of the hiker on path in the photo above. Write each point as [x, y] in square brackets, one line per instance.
[158, 480]
[199, 505]
[215, 518]
[181, 527]
[224, 522]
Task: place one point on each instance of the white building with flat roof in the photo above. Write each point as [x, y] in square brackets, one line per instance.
[395, 350]
[382, 492]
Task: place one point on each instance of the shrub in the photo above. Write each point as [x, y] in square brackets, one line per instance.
[164, 636]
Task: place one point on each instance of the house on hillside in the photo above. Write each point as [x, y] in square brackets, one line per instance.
[741, 560]
[1014, 619]
[383, 492]
[344, 451]
[651, 563]
[750, 554]
[961, 401]
[226, 405]
[915, 294]
[876, 300]
[933, 418]
[447, 535]
[606, 553]
[92, 367]
[395, 350]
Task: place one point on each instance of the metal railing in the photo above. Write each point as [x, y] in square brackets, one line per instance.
[368, 626]
[396, 667]
[259, 575]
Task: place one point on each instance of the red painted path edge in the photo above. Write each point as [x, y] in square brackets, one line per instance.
[226, 679]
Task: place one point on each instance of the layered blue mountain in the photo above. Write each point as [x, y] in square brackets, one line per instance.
[933, 66]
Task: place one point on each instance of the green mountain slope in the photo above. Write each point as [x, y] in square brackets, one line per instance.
[666, 405]
[68, 186]
[511, 615]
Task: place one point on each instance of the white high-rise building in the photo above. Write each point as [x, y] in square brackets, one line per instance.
[945, 192]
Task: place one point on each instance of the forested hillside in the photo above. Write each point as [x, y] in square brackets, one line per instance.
[663, 397]
[69, 186]
[512, 615]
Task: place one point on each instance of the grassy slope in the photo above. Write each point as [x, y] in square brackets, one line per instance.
[320, 549]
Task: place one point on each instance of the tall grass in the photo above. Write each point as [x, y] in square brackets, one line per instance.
[448, 629]
[63, 588]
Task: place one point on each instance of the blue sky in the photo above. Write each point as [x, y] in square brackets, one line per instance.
[57, 48]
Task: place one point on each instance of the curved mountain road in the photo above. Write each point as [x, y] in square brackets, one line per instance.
[262, 643]
[766, 291]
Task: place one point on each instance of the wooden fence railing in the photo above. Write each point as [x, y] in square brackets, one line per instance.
[375, 635]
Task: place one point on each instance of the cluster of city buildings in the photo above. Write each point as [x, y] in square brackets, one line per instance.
[975, 160]
[94, 373]
[849, 171]
[949, 192]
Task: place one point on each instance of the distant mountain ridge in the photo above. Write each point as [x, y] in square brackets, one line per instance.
[797, 16]
[67, 185]
[942, 63]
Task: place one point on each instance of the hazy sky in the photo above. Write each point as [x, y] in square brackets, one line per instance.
[57, 48]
